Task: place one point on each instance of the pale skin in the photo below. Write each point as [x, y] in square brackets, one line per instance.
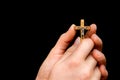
[83, 60]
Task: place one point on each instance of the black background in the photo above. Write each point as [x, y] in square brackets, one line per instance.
[31, 30]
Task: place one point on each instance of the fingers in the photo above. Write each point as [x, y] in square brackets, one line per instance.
[96, 74]
[83, 49]
[97, 41]
[100, 73]
[96, 57]
[91, 62]
[65, 40]
[93, 29]
[104, 72]
[74, 46]
[99, 56]
[94, 37]
[71, 49]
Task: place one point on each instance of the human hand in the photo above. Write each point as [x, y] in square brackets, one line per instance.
[77, 64]
[59, 52]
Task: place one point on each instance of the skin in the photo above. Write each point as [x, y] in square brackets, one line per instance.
[78, 62]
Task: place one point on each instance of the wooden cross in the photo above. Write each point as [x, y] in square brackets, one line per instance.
[82, 28]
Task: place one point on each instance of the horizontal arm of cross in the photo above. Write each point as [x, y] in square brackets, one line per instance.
[85, 27]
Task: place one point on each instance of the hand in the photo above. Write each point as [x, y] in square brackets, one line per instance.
[59, 51]
[77, 64]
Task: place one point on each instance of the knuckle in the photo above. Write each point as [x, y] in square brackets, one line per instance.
[69, 51]
[102, 58]
[73, 63]
[101, 42]
[105, 75]
[62, 35]
[89, 41]
[85, 75]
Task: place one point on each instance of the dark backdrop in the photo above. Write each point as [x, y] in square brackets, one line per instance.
[30, 32]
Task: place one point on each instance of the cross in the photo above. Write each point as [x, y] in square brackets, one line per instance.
[82, 28]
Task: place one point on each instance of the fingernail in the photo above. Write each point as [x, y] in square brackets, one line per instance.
[71, 27]
[94, 26]
[94, 36]
[77, 41]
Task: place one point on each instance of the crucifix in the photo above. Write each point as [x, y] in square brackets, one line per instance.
[82, 28]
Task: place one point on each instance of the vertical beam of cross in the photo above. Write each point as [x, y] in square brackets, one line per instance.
[82, 28]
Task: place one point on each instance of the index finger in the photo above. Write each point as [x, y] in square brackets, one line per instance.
[93, 29]
[65, 39]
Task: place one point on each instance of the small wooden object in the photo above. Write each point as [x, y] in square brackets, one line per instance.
[82, 28]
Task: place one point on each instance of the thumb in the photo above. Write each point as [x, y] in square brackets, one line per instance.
[64, 40]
